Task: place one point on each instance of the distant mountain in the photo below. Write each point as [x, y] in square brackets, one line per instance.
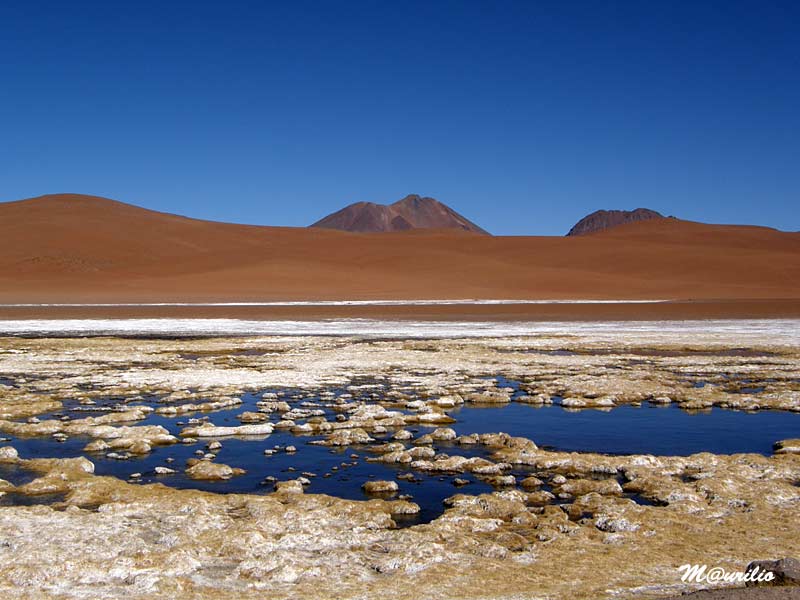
[412, 212]
[604, 219]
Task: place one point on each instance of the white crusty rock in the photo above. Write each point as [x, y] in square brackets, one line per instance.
[500, 480]
[346, 437]
[432, 417]
[207, 470]
[181, 409]
[421, 452]
[443, 434]
[791, 446]
[534, 399]
[211, 430]
[599, 402]
[253, 417]
[531, 483]
[460, 464]
[661, 400]
[489, 397]
[295, 486]
[270, 407]
[373, 411]
[448, 401]
[135, 440]
[579, 487]
[8, 454]
[614, 524]
[403, 507]
[380, 487]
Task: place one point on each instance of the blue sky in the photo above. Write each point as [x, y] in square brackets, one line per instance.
[522, 116]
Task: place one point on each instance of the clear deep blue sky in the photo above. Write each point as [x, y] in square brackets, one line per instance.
[522, 116]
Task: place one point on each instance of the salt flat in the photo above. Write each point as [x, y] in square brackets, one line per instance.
[766, 331]
[100, 434]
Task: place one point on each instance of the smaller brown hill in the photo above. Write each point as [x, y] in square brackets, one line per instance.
[605, 219]
[412, 212]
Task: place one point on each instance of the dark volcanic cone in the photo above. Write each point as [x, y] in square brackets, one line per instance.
[412, 212]
[605, 219]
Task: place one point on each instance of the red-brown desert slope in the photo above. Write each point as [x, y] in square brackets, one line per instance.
[72, 248]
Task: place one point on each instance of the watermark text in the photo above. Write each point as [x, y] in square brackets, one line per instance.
[702, 574]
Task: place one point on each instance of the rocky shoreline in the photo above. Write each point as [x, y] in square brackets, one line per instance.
[570, 529]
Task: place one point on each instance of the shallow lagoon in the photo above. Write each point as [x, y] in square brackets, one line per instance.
[645, 429]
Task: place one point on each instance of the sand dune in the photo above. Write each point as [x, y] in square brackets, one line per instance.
[71, 248]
